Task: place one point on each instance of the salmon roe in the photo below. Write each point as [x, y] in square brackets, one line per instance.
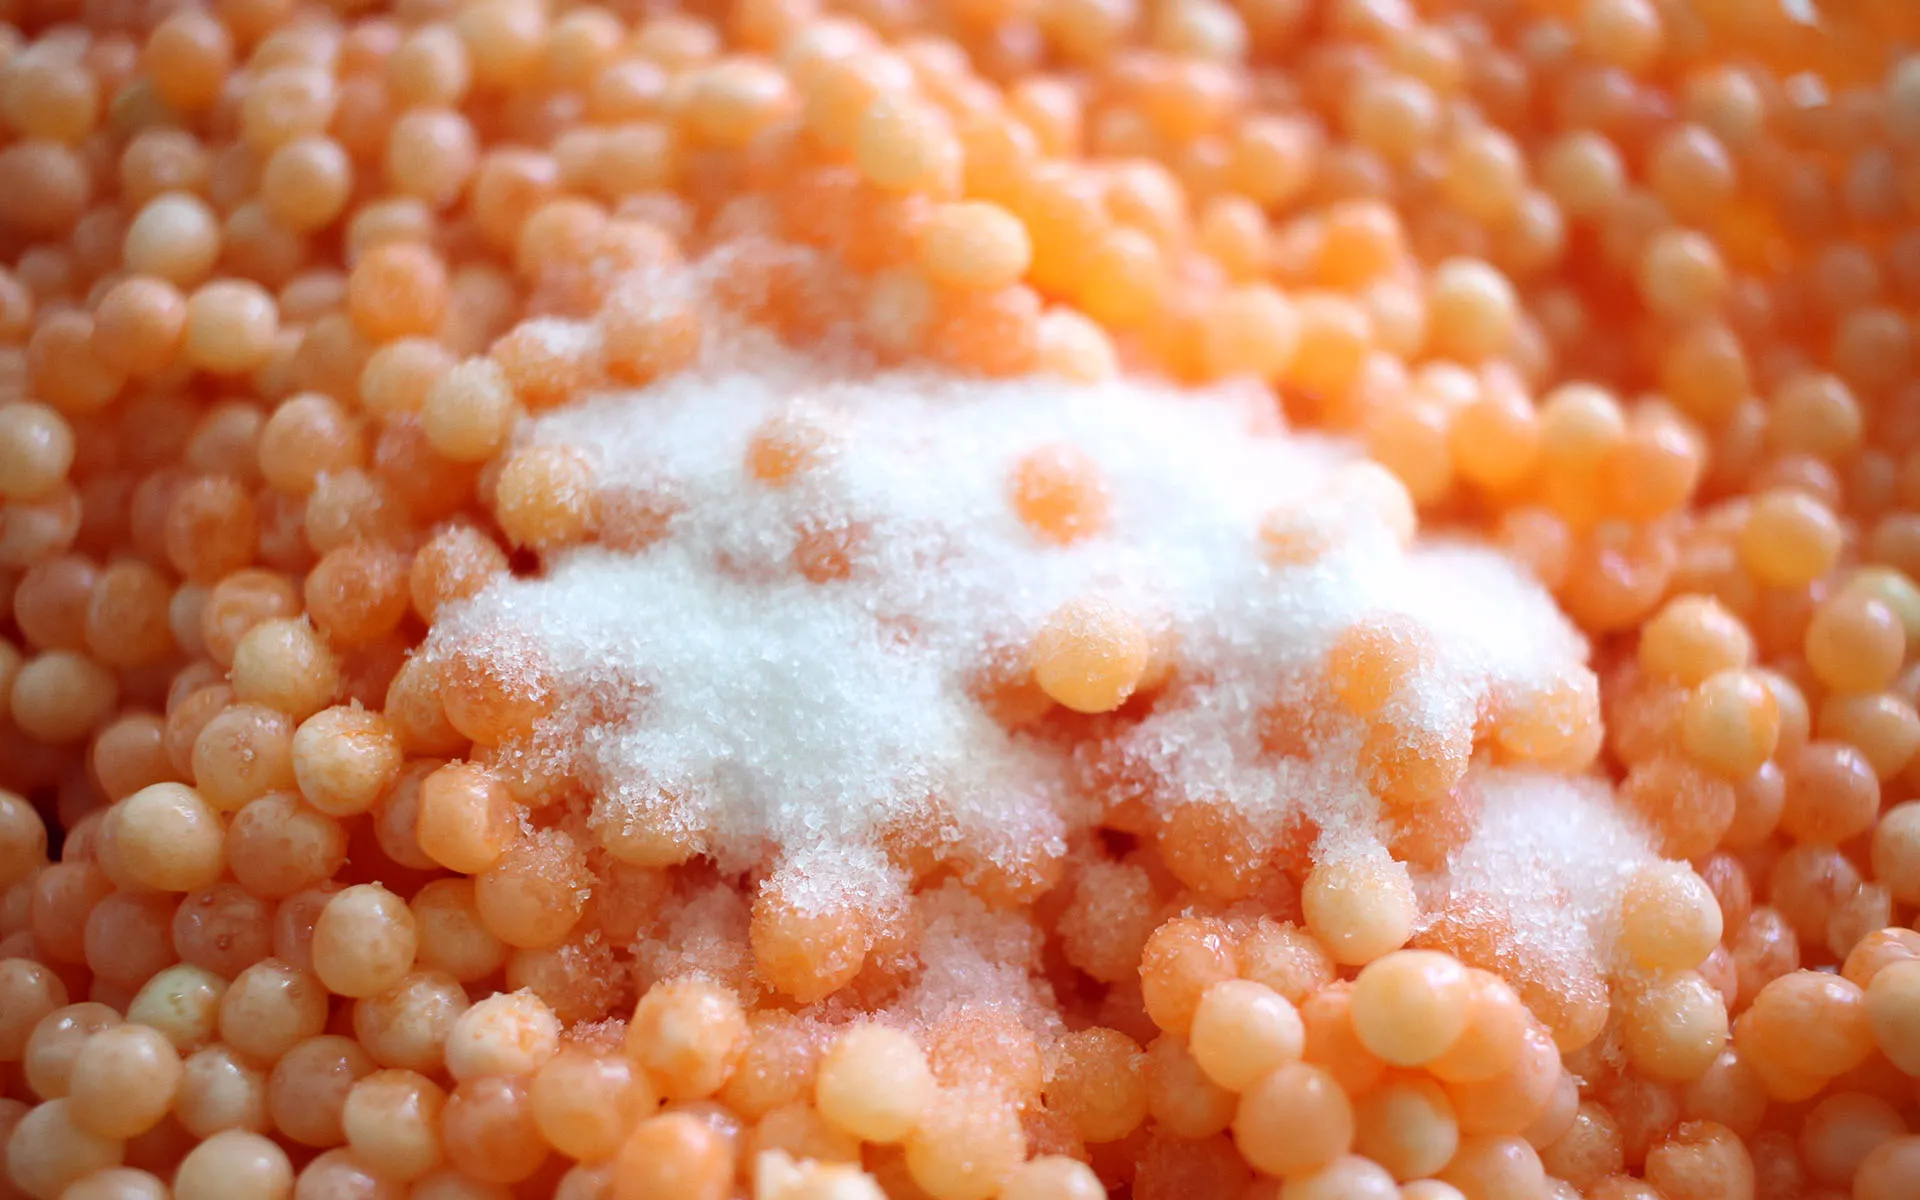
[295, 907]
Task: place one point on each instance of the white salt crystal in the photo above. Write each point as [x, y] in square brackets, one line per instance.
[1553, 855]
[799, 721]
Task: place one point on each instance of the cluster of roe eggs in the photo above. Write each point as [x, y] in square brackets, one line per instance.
[1625, 287]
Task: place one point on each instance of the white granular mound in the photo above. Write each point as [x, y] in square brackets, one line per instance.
[797, 722]
[1549, 858]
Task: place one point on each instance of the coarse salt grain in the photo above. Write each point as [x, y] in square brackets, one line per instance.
[1549, 858]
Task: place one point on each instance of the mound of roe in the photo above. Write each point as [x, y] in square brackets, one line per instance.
[1037, 599]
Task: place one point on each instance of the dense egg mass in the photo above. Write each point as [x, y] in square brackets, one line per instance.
[1000, 600]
